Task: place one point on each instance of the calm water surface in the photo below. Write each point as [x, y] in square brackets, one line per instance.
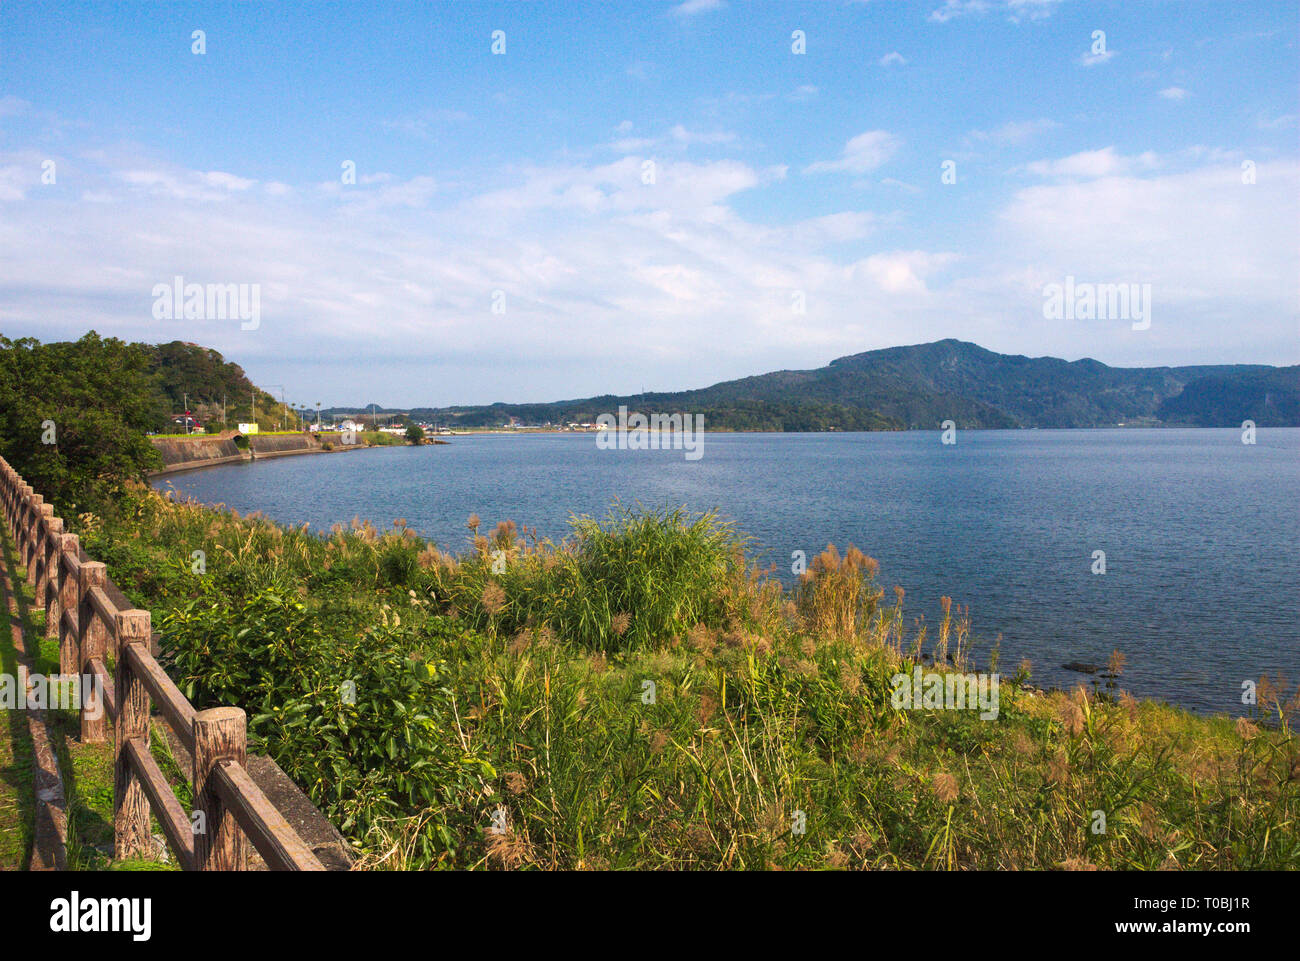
[1200, 531]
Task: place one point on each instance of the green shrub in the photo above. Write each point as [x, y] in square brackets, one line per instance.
[370, 739]
[638, 578]
[358, 722]
[251, 651]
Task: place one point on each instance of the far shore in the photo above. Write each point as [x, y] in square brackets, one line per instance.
[247, 455]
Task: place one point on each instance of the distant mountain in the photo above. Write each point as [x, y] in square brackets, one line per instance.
[923, 385]
[1270, 397]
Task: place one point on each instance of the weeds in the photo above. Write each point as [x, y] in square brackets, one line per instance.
[639, 696]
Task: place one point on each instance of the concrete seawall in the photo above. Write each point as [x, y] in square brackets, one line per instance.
[277, 445]
[191, 453]
[188, 453]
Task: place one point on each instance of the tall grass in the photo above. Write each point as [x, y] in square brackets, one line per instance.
[639, 696]
[636, 579]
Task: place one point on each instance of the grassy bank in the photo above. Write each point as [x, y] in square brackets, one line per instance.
[86, 769]
[640, 696]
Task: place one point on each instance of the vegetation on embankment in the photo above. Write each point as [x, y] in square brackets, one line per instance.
[73, 417]
[640, 697]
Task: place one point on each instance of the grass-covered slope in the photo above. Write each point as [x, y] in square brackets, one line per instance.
[641, 697]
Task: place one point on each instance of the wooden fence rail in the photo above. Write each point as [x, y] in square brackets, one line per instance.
[229, 808]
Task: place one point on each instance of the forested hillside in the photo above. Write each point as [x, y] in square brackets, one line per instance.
[920, 386]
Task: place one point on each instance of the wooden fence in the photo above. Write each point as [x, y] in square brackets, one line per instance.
[229, 808]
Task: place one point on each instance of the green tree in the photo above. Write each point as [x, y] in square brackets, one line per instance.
[415, 433]
[73, 417]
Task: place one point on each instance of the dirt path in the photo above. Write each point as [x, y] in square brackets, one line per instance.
[33, 809]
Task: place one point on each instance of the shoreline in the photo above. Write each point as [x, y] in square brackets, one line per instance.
[249, 455]
[523, 432]
[1061, 675]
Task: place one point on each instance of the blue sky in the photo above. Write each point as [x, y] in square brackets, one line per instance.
[778, 177]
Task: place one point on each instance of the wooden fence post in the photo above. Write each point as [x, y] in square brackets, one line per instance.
[48, 580]
[24, 506]
[69, 598]
[11, 499]
[52, 565]
[219, 735]
[33, 525]
[15, 507]
[20, 508]
[41, 554]
[6, 494]
[92, 637]
[131, 835]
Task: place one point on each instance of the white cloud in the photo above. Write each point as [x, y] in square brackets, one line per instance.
[587, 255]
[864, 153]
[1266, 122]
[426, 124]
[833, 229]
[393, 278]
[218, 178]
[179, 184]
[893, 58]
[380, 190]
[684, 136]
[952, 9]
[693, 8]
[1090, 59]
[1091, 164]
[901, 185]
[1013, 132]
[633, 144]
[677, 137]
[14, 181]
[1220, 255]
[1016, 11]
[1020, 10]
[903, 272]
[1173, 93]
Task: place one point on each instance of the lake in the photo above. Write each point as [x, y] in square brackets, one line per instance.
[1200, 531]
